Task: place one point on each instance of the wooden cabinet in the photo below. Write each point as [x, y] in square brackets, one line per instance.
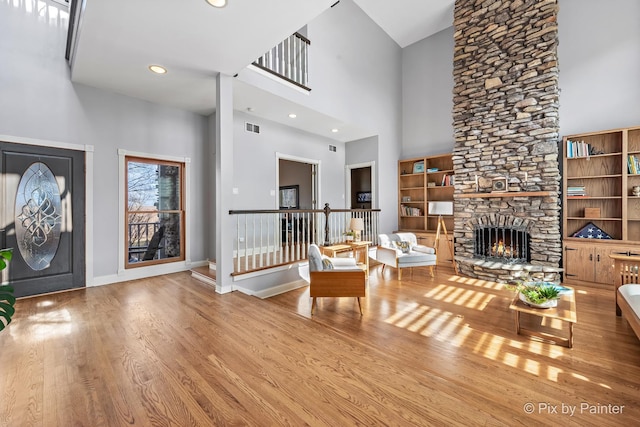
[585, 262]
[600, 170]
[422, 180]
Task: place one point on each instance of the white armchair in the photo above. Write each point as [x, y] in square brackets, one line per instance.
[401, 250]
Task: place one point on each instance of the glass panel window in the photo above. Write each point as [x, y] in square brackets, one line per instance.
[155, 214]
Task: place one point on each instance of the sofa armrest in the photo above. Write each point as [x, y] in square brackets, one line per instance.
[387, 256]
[343, 262]
[423, 249]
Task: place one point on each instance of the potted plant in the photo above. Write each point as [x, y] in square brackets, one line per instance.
[7, 300]
[349, 235]
[536, 293]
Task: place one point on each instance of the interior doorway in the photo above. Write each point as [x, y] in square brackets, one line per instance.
[297, 182]
[361, 185]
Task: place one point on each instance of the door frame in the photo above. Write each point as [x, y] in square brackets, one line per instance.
[315, 180]
[88, 183]
[347, 192]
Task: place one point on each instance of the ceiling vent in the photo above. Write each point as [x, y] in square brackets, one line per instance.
[250, 127]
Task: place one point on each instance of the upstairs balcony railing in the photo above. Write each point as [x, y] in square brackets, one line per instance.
[288, 60]
[270, 238]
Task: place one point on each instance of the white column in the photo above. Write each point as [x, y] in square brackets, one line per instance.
[224, 235]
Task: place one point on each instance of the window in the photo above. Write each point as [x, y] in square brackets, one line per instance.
[155, 215]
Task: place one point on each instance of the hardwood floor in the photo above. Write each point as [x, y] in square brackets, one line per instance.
[427, 351]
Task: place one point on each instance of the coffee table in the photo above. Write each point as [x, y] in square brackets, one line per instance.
[565, 311]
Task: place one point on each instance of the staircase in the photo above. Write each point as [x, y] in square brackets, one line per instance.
[206, 274]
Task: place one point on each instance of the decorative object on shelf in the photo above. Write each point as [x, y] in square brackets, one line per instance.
[499, 185]
[406, 199]
[592, 212]
[357, 225]
[418, 167]
[591, 231]
[431, 184]
[636, 190]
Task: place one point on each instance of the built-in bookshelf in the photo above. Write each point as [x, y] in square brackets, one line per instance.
[600, 172]
[422, 180]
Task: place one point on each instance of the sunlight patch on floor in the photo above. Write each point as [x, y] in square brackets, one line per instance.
[41, 326]
[459, 296]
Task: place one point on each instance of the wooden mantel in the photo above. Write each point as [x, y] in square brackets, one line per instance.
[504, 194]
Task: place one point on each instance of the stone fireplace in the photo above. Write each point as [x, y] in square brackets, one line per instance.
[505, 242]
[506, 132]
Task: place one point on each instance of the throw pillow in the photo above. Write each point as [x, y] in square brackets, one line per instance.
[315, 258]
[403, 245]
[327, 264]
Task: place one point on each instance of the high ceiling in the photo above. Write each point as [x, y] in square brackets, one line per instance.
[118, 39]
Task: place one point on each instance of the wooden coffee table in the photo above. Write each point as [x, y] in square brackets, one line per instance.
[565, 311]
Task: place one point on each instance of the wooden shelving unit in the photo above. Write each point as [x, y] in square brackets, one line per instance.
[605, 176]
[422, 180]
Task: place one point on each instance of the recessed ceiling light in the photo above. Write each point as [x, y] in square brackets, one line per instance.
[334, 130]
[292, 115]
[157, 69]
[217, 3]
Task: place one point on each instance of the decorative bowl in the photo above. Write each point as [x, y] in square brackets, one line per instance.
[547, 304]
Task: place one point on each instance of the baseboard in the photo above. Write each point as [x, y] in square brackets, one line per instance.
[274, 290]
[144, 272]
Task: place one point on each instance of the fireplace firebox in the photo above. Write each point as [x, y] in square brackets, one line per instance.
[503, 244]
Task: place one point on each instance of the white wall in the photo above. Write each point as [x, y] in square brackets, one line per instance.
[356, 77]
[427, 96]
[599, 58]
[255, 163]
[39, 101]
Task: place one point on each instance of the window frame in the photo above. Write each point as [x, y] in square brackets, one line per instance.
[181, 210]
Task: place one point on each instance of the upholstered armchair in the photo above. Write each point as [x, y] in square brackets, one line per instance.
[333, 277]
[401, 250]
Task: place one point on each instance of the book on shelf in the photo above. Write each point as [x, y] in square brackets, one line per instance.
[410, 211]
[576, 191]
[579, 149]
[633, 165]
[447, 180]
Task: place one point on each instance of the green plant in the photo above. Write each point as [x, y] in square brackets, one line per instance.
[539, 294]
[350, 233]
[7, 300]
[535, 291]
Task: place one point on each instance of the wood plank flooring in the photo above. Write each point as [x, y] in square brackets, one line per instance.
[169, 351]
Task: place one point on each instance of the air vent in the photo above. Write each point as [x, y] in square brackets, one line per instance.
[250, 127]
[332, 148]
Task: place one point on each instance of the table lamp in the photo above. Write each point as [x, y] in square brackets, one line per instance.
[357, 225]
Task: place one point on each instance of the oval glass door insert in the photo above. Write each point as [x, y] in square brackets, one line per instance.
[38, 216]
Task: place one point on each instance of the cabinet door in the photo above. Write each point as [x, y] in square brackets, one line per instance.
[578, 262]
[603, 265]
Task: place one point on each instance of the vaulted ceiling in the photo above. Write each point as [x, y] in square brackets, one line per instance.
[117, 40]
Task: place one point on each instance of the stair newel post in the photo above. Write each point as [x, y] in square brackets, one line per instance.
[327, 211]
